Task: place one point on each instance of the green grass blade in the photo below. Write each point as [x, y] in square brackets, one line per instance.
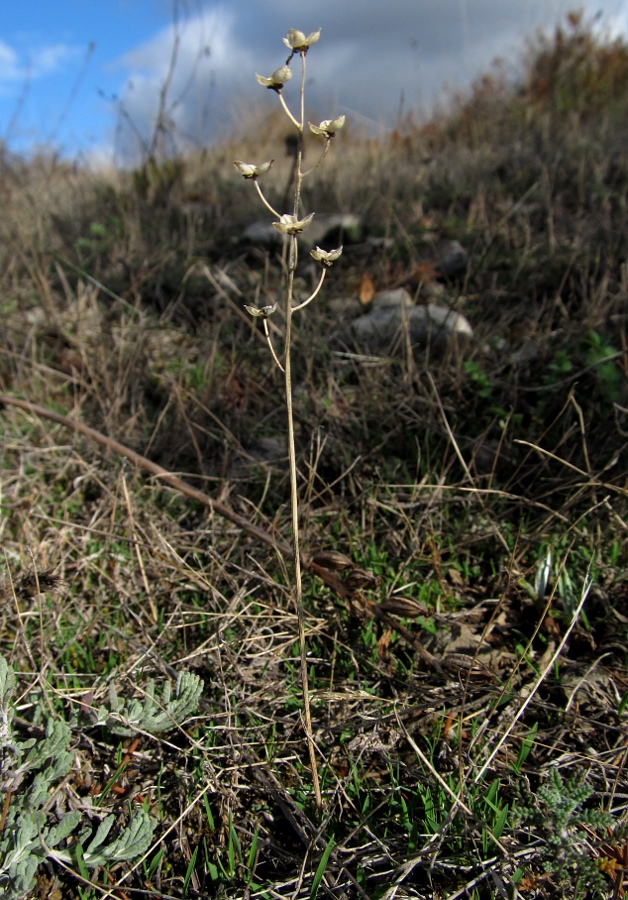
[189, 871]
[320, 871]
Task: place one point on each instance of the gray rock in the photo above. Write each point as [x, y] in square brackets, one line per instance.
[447, 259]
[266, 451]
[262, 233]
[325, 226]
[451, 259]
[345, 309]
[527, 353]
[433, 292]
[269, 450]
[395, 299]
[431, 325]
[380, 243]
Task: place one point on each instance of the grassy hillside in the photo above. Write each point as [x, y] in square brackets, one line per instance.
[468, 657]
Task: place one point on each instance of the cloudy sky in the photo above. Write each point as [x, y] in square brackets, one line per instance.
[85, 77]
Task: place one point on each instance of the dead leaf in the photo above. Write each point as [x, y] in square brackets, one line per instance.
[383, 646]
[425, 273]
[455, 577]
[367, 289]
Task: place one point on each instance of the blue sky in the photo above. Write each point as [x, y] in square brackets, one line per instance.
[84, 76]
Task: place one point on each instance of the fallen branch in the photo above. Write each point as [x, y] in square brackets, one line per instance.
[173, 481]
[159, 472]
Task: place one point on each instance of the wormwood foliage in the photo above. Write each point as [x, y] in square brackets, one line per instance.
[557, 813]
[126, 717]
[33, 769]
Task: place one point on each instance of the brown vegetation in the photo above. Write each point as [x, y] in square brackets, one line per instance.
[475, 636]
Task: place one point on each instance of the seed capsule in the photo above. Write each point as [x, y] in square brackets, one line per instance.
[332, 559]
[404, 606]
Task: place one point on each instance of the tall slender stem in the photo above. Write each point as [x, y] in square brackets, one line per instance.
[294, 492]
[291, 226]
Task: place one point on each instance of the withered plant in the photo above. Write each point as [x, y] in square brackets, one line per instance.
[290, 226]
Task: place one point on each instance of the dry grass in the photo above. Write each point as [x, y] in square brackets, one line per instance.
[447, 678]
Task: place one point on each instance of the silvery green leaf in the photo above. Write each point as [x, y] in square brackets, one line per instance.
[102, 833]
[20, 853]
[50, 757]
[131, 843]
[38, 793]
[57, 833]
[7, 682]
[152, 715]
[189, 689]
[113, 698]
[7, 691]
[566, 591]
[542, 577]
[19, 878]
[26, 838]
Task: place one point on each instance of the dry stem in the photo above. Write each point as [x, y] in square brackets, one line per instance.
[294, 494]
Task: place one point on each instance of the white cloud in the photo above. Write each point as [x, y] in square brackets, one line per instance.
[50, 59]
[9, 64]
[615, 26]
[38, 62]
[207, 59]
[371, 54]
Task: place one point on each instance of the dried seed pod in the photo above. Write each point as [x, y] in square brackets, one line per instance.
[406, 607]
[462, 666]
[359, 579]
[332, 559]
